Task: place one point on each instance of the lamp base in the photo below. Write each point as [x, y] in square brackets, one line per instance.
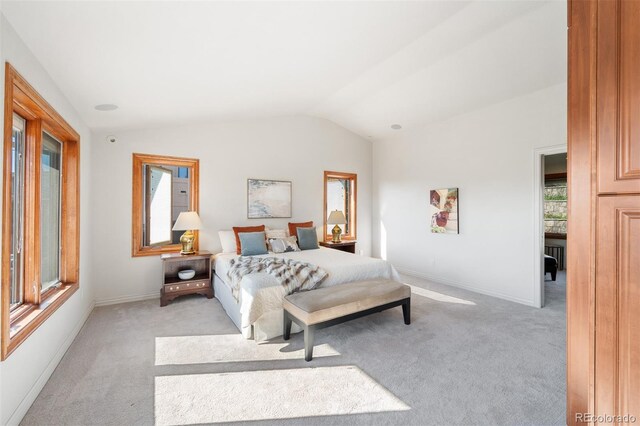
[187, 242]
[336, 232]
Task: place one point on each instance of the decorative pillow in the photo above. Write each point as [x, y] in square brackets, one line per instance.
[228, 241]
[276, 233]
[294, 226]
[252, 243]
[308, 238]
[283, 245]
[238, 229]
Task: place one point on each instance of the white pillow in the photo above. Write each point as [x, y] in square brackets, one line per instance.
[228, 241]
[275, 233]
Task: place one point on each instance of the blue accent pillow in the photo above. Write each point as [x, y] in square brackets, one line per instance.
[307, 238]
[252, 243]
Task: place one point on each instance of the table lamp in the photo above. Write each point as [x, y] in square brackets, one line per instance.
[188, 222]
[336, 218]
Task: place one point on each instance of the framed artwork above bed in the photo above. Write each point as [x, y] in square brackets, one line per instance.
[268, 198]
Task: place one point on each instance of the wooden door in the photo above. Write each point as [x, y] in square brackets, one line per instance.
[617, 315]
[603, 282]
[618, 93]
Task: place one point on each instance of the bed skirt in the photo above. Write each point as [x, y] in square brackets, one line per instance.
[267, 327]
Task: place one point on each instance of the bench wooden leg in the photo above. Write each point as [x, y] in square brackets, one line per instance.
[406, 311]
[309, 332]
[286, 326]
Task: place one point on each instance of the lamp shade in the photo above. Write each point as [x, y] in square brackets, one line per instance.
[187, 221]
[336, 218]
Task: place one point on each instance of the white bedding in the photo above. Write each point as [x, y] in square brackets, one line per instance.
[261, 295]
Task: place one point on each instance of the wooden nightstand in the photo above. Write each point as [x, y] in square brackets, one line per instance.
[348, 246]
[173, 286]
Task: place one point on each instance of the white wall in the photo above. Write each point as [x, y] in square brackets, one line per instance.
[27, 369]
[298, 149]
[489, 155]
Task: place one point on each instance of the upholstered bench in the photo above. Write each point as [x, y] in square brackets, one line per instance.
[328, 306]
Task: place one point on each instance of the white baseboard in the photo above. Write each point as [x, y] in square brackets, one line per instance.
[445, 281]
[33, 393]
[127, 299]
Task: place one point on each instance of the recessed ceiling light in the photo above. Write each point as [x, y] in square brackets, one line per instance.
[396, 126]
[106, 107]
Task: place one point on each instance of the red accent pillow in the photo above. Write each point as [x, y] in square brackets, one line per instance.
[293, 231]
[239, 229]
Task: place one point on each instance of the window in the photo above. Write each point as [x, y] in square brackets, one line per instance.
[17, 198]
[40, 230]
[158, 205]
[340, 193]
[555, 206]
[163, 187]
[50, 174]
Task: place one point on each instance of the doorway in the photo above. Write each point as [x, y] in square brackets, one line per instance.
[550, 250]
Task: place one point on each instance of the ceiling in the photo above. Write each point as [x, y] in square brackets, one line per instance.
[364, 65]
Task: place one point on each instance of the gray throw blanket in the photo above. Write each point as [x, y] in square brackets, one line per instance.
[294, 276]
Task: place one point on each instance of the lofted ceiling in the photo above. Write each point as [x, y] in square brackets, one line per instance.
[364, 65]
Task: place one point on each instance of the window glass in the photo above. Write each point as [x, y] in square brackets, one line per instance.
[158, 205]
[17, 207]
[50, 201]
[555, 207]
[183, 172]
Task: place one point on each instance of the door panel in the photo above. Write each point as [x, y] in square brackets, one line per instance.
[617, 369]
[618, 96]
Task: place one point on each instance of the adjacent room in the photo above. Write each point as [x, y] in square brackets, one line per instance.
[555, 224]
[301, 212]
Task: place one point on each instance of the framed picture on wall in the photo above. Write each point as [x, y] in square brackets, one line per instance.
[443, 211]
[268, 199]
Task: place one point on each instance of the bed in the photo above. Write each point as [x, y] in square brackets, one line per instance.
[258, 311]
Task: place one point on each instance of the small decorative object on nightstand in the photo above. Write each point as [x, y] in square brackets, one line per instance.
[336, 218]
[348, 246]
[173, 286]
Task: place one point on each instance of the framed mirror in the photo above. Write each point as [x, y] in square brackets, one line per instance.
[163, 187]
[341, 194]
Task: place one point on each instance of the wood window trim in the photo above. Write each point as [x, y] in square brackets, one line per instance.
[21, 98]
[353, 230]
[138, 248]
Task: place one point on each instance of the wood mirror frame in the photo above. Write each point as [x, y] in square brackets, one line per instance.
[353, 205]
[139, 160]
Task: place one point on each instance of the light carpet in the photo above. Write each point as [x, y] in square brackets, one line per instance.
[270, 394]
[465, 359]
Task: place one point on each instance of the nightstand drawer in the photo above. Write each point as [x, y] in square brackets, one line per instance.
[173, 288]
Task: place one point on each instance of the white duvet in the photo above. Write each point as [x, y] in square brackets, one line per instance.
[261, 295]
